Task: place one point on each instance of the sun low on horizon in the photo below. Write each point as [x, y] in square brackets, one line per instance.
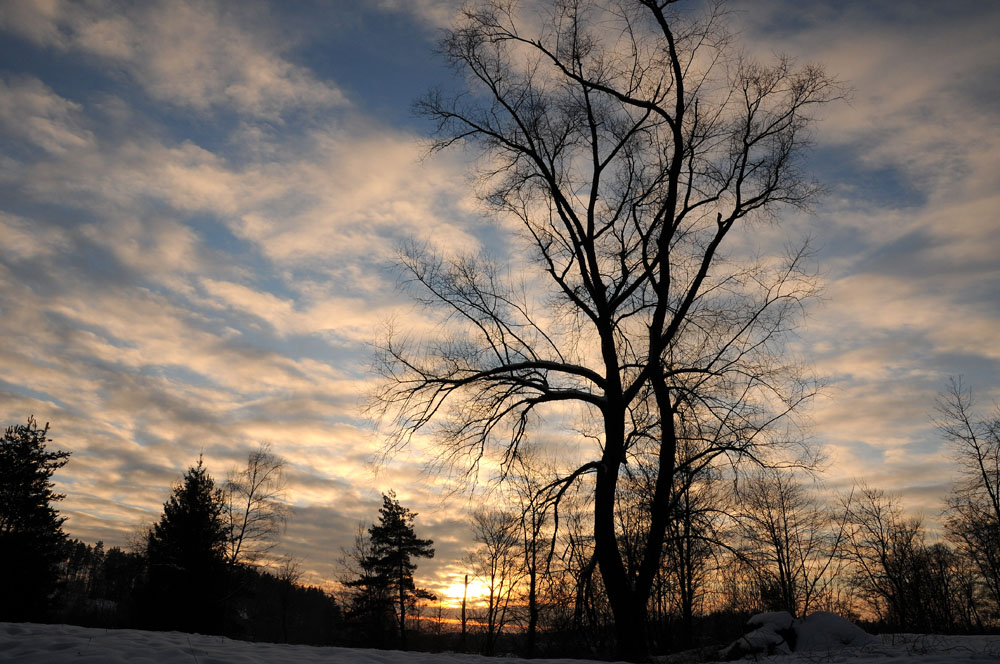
[474, 593]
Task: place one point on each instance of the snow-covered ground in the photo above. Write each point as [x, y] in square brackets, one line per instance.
[827, 637]
[57, 644]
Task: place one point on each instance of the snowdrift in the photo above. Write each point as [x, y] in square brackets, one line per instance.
[59, 644]
[778, 633]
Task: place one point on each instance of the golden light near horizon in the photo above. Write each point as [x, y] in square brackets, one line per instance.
[475, 593]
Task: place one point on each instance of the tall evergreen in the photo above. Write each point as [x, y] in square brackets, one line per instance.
[185, 552]
[370, 616]
[394, 545]
[31, 536]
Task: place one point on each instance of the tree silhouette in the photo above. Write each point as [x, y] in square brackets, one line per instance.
[498, 563]
[31, 536]
[387, 565]
[888, 551]
[635, 148]
[370, 615]
[973, 518]
[792, 541]
[185, 552]
[255, 511]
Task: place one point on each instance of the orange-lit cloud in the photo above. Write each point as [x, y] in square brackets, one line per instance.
[198, 246]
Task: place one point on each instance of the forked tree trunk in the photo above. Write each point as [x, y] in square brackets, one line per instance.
[627, 606]
[628, 593]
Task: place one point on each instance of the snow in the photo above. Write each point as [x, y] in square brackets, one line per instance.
[58, 644]
[773, 634]
[825, 631]
[778, 632]
[780, 638]
[778, 620]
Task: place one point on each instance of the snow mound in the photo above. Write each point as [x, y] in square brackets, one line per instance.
[777, 633]
[772, 636]
[779, 620]
[823, 630]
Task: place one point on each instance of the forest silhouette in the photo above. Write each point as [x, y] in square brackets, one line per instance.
[776, 545]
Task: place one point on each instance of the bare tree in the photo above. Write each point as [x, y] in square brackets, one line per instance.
[894, 566]
[498, 564]
[793, 541]
[529, 496]
[576, 584]
[255, 508]
[881, 544]
[630, 142]
[692, 545]
[973, 520]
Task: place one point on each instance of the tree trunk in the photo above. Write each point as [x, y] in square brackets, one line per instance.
[465, 593]
[626, 605]
[402, 612]
[529, 647]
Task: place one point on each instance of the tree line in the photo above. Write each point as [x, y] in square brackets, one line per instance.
[770, 540]
[197, 569]
[208, 564]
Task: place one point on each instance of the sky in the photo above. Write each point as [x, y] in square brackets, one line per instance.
[201, 204]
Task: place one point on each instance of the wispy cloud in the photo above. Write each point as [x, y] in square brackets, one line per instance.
[32, 112]
[167, 296]
[191, 54]
[907, 233]
[199, 226]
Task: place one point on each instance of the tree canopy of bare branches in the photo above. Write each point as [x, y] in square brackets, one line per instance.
[974, 505]
[638, 150]
[907, 583]
[255, 510]
[793, 541]
[498, 563]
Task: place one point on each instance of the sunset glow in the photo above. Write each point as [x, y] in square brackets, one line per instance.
[202, 205]
[475, 594]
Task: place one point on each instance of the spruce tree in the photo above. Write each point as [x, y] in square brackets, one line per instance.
[394, 544]
[185, 552]
[31, 537]
[370, 615]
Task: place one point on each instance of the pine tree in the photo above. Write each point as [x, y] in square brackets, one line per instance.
[31, 536]
[185, 552]
[388, 566]
[370, 615]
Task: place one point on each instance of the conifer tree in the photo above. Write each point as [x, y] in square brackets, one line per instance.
[31, 536]
[370, 611]
[186, 556]
[389, 563]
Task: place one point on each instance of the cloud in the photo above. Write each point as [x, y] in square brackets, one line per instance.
[200, 55]
[907, 234]
[24, 241]
[30, 111]
[436, 13]
[198, 239]
[165, 298]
